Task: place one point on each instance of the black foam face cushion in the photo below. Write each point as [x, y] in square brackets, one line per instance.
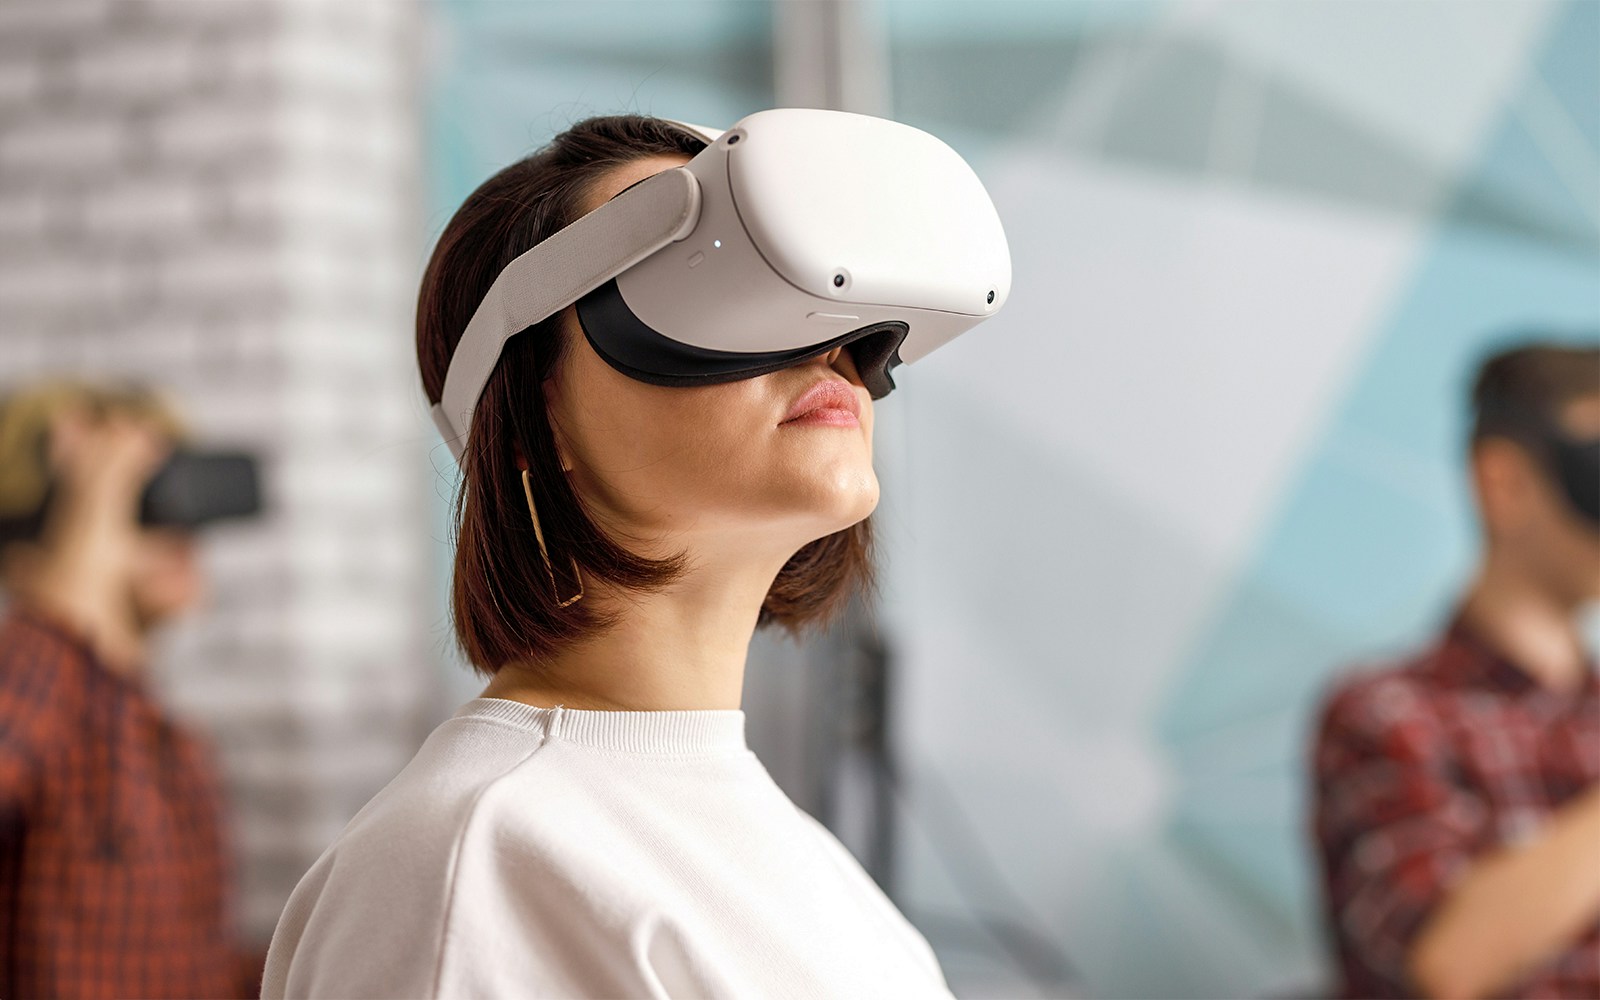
[639, 352]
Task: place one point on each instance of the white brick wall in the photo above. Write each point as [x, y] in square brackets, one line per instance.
[222, 196]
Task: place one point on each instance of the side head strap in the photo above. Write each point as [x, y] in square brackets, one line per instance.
[570, 264]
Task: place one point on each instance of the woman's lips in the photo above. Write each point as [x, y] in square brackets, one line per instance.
[831, 402]
[827, 416]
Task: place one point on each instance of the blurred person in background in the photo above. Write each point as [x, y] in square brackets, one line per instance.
[115, 879]
[595, 824]
[1457, 810]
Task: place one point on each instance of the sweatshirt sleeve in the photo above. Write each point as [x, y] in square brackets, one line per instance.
[40, 663]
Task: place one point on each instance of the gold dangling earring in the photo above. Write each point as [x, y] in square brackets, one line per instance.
[538, 534]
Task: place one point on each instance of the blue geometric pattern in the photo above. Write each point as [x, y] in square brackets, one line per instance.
[1376, 536]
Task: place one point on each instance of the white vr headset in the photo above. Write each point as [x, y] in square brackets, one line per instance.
[791, 233]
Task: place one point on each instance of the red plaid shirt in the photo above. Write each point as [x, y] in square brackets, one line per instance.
[1421, 767]
[113, 876]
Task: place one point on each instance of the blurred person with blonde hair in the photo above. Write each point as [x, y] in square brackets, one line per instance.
[1457, 810]
[114, 873]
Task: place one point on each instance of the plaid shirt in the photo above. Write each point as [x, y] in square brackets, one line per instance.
[1425, 765]
[113, 876]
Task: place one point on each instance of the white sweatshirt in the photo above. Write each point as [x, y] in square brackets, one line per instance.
[550, 852]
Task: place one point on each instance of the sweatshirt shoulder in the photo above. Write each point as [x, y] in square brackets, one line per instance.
[399, 857]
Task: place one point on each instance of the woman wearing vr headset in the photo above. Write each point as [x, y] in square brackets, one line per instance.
[594, 824]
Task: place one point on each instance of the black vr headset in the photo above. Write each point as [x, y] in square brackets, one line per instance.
[194, 488]
[191, 489]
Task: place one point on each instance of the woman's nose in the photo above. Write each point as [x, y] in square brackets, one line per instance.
[838, 358]
[843, 361]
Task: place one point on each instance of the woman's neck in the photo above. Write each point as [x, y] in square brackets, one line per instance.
[681, 648]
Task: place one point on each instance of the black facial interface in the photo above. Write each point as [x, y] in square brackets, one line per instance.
[639, 352]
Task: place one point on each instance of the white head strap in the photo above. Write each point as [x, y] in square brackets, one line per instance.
[558, 272]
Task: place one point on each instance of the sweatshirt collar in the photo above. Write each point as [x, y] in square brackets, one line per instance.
[684, 731]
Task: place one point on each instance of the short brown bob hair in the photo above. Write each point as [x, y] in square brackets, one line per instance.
[502, 604]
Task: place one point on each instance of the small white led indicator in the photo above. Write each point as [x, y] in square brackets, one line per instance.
[716, 243]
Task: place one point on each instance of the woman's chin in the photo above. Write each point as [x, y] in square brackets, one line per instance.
[838, 500]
